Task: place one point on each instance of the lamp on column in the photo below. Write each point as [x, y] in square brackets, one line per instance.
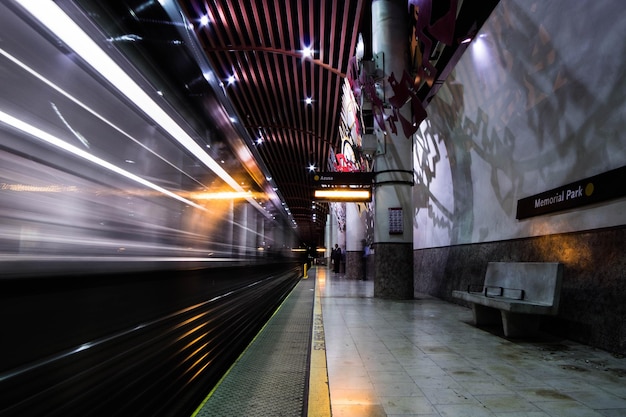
[360, 48]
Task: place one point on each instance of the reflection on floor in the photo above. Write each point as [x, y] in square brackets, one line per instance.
[424, 358]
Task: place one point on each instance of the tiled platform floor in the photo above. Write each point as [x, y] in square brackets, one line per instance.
[425, 358]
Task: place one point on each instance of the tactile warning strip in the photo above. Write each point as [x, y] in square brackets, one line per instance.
[271, 376]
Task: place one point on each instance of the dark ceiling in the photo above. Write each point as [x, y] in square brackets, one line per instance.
[261, 43]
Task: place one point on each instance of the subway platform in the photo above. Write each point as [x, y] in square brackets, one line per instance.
[373, 358]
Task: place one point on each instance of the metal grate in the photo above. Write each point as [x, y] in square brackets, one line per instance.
[271, 376]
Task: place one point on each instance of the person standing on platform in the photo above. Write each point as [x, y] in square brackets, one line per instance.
[335, 256]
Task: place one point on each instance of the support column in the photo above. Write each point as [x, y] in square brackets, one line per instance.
[393, 227]
[338, 212]
[355, 234]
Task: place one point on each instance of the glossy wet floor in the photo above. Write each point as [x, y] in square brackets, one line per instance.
[424, 358]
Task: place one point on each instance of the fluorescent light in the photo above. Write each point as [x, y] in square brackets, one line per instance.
[343, 195]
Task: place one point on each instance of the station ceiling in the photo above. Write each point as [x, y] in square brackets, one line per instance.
[257, 53]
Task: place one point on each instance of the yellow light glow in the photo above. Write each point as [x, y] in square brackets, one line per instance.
[344, 194]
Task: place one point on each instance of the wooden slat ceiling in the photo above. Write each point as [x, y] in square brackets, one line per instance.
[261, 44]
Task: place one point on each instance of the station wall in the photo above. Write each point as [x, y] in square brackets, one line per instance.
[536, 102]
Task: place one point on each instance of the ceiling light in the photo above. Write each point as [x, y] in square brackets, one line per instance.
[204, 20]
[307, 52]
[311, 168]
[308, 100]
[231, 79]
[51, 15]
[360, 48]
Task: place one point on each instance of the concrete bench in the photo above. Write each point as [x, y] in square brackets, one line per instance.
[516, 294]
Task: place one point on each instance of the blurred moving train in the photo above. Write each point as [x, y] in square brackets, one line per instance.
[98, 164]
[142, 245]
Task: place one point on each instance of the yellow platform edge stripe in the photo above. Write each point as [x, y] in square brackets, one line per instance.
[319, 390]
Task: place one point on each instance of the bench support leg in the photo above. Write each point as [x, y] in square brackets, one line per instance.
[485, 316]
[519, 325]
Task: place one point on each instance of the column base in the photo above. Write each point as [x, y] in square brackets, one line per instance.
[393, 271]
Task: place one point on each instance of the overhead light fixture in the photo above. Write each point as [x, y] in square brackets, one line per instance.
[61, 144]
[308, 100]
[55, 19]
[343, 195]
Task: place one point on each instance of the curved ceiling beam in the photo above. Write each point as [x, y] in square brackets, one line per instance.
[276, 51]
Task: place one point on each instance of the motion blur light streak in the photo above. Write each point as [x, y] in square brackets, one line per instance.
[80, 137]
[89, 109]
[46, 137]
[114, 259]
[90, 184]
[343, 195]
[227, 195]
[51, 16]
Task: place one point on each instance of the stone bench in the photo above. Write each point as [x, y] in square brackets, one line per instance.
[516, 294]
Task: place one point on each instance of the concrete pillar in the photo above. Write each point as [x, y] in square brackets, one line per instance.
[330, 236]
[393, 207]
[355, 234]
[336, 227]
